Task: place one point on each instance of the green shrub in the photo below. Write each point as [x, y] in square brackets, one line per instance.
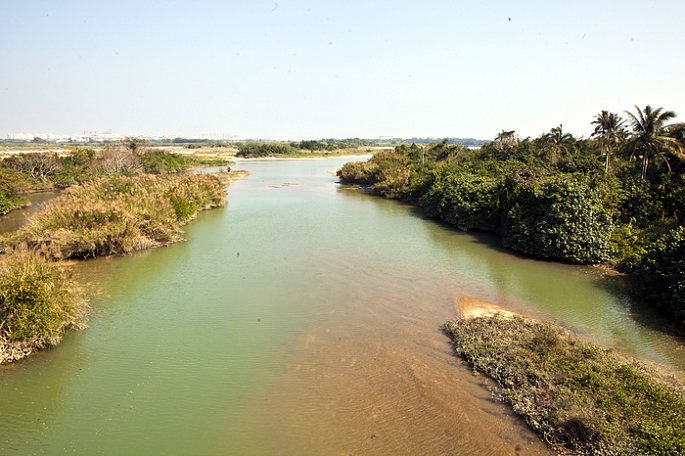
[560, 219]
[639, 202]
[8, 203]
[156, 161]
[12, 182]
[257, 149]
[38, 300]
[360, 173]
[467, 201]
[392, 182]
[660, 275]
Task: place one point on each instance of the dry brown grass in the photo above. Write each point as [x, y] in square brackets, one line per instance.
[39, 301]
[117, 215]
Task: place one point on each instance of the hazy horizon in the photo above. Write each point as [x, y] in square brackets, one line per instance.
[293, 70]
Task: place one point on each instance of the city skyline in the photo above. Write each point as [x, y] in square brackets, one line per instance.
[109, 135]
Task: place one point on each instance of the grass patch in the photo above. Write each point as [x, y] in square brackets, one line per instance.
[576, 395]
[39, 301]
[116, 215]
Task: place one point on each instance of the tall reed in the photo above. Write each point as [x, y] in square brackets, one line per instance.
[116, 215]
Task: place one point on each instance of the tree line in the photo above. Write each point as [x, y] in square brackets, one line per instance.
[616, 197]
[258, 149]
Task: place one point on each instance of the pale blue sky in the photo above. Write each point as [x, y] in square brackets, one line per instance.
[313, 69]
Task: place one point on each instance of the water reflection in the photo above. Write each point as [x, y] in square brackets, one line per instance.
[16, 218]
[585, 299]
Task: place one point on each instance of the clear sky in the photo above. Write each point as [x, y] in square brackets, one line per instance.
[285, 69]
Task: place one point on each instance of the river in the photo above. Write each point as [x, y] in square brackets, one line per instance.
[302, 318]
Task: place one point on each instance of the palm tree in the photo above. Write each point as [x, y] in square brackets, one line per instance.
[559, 142]
[557, 137]
[610, 131]
[677, 131]
[650, 135]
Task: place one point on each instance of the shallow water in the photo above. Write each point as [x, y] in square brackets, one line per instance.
[14, 219]
[303, 318]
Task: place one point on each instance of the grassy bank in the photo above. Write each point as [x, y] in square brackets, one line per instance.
[117, 215]
[39, 301]
[576, 395]
[26, 171]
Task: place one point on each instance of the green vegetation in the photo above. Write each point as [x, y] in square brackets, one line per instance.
[77, 165]
[118, 200]
[562, 219]
[264, 149]
[120, 214]
[11, 183]
[659, 276]
[555, 197]
[39, 301]
[323, 147]
[578, 396]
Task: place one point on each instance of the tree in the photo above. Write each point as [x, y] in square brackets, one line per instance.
[556, 136]
[116, 159]
[137, 146]
[559, 142]
[610, 131]
[39, 165]
[650, 135]
[677, 131]
[505, 140]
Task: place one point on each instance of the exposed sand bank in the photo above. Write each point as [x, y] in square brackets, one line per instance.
[472, 307]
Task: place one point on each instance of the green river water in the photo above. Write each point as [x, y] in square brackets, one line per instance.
[301, 319]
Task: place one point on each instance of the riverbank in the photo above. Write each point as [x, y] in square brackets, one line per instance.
[119, 215]
[576, 395]
[39, 300]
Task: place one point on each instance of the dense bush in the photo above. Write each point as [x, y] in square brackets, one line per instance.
[360, 173]
[38, 302]
[156, 161]
[386, 172]
[11, 183]
[561, 219]
[392, 182]
[638, 201]
[466, 201]
[660, 275]
[262, 149]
